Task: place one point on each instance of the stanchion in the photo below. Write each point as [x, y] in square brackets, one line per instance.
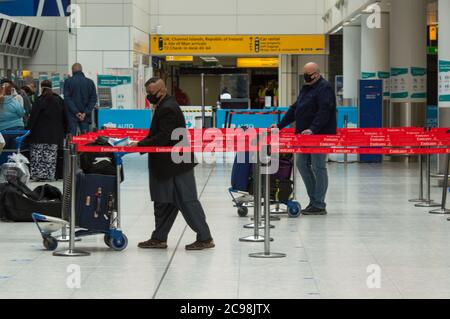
[256, 237]
[443, 210]
[421, 199]
[72, 252]
[67, 181]
[267, 253]
[345, 126]
[428, 202]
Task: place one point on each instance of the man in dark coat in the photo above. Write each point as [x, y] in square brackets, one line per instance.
[172, 185]
[80, 97]
[313, 113]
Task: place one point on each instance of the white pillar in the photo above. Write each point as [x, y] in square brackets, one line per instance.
[352, 63]
[287, 80]
[444, 58]
[375, 51]
[408, 62]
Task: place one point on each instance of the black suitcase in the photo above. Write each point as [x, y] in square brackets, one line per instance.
[18, 202]
[95, 201]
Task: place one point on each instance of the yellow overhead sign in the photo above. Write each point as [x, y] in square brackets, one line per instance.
[257, 62]
[237, 44]
[180, 58]
[433, 32]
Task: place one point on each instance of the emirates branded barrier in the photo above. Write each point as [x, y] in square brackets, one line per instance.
[401, 141]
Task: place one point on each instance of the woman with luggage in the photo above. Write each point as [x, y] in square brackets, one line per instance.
[48, 126]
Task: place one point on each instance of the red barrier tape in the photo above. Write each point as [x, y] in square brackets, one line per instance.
[348, 141]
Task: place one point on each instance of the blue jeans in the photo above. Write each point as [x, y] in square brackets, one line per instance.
[74, 124]
[313, 169]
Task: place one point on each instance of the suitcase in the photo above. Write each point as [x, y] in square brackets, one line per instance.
[241, 174]
[95, 201]
[286, 164]
[18, 202]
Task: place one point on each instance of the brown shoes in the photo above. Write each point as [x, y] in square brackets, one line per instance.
[153, 244]
[158, 244]
[200, 245]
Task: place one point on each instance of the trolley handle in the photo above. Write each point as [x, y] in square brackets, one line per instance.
[23, 134]
[21, 139]
[118, 158]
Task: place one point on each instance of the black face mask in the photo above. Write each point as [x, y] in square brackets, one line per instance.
[308, 77]
[153, 98]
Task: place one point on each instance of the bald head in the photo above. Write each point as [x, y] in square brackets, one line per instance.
[76, 67]
[311, 72]
[156, 89]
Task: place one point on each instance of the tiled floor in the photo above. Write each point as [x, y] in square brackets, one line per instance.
[370, 222]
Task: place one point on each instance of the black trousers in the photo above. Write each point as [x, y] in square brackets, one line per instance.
[192, 211]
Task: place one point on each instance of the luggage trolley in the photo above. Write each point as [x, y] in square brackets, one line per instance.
[14, 141]
[110, 228]
[241, 175]
[241, 184]
[113, 235]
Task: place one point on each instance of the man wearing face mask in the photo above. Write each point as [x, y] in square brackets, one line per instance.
[313, 113]
[172, 185]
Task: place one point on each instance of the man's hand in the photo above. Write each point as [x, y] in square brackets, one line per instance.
[133, 144]
[307, 132]
[81, 116]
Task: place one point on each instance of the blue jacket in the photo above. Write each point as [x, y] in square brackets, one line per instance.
[315, 110]
[11, 114]
[80, 95]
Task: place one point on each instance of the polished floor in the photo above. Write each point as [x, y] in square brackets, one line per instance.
[373, 244]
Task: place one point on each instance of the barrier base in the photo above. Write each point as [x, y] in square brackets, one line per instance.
[419, 200]
[71, 253]
[440, 211]
[428, 204]
[253, 239]
[65, 238]
[272, 218]
[278, 210]
[252, 226]
[269, 255]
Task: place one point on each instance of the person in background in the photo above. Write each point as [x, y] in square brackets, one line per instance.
[30, 91]
[48, 125]
[14, 92]
[11, 112]
[271, 92]
[21, 97]
[313, 113]
[261, 95]
[80, 98]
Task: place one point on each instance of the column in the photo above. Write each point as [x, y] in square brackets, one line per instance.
[444, 63]
[288, 85]
[375, 56]
[352, 64]
[444, 68]
[408, 62]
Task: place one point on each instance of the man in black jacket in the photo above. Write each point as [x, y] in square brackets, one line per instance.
[172, 186]
[313, 113]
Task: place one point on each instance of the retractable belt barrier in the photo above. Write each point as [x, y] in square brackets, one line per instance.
[402, 141]
[347, 141]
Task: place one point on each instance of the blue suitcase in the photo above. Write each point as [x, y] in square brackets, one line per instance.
[241, 173]
[95, 202]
